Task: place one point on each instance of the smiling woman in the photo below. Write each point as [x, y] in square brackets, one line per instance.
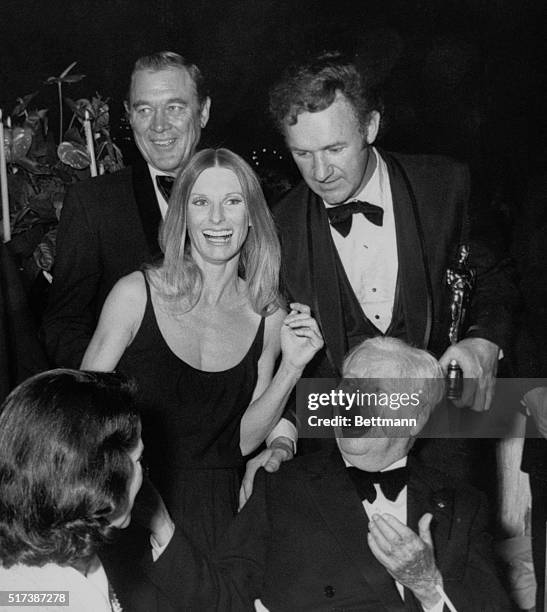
[223, 187]
[201, 334]
[218, 220]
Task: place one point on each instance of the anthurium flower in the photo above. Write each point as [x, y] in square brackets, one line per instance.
[17, 142]
[73, 155]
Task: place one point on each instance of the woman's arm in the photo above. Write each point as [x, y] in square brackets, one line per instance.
[297, 335]
[120, 319]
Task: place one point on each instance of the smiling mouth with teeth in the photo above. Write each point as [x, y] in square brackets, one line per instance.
[218, 236]
[163, 143]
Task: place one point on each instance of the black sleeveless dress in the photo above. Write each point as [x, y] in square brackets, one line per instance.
[191, 422]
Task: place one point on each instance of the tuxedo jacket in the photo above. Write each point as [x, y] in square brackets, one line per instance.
[300, 543]
[430, 202]
[108, 228]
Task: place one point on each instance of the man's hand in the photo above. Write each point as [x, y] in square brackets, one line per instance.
[478, 359]
[408, 557]
[150, 512]
[270, 459]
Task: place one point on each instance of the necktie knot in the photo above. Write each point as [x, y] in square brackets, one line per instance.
[391, 482]
[165, 185]
[341, 216]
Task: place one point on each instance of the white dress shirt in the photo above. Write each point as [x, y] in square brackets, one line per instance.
[369, 252]
[369, 256]
[397, 508]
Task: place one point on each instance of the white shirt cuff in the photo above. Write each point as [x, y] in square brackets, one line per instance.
[438, 607]
[286, 429]
[157, 549]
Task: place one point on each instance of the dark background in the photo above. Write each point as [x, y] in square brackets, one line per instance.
[462, 77]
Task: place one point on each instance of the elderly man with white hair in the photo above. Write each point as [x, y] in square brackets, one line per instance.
[363, 527]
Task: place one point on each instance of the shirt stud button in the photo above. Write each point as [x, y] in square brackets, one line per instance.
[329, 591]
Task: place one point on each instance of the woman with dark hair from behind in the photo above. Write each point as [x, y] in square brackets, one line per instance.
[200, 334]
[70, 452]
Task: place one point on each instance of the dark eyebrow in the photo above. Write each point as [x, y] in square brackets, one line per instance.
[329, 146]
[230, 194]
[178, 101]
[170, 101]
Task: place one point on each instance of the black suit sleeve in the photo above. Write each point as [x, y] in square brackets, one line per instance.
[480, 588]
[229, 580]
[70, 318]
[495, 297]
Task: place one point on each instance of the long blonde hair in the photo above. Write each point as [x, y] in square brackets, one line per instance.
[178, 280]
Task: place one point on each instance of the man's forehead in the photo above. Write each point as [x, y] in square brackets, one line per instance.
[172, 79]
[321, 127]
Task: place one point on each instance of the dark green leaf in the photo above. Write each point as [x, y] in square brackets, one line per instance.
[73, 135]
[67, 70]
[73, 78]
[42, 205]
[32, 166]
[72, 105]
[22, 104]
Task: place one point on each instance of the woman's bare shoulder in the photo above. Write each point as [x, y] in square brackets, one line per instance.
[131, 287]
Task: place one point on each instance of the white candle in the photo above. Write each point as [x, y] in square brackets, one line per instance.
[90, 144]
[4, 185]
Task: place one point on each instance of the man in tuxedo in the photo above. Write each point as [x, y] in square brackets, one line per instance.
[382, 271]
[367, 236]
[109, 224]
[361, 527]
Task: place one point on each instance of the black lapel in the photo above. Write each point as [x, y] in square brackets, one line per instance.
[427, 494]
[413, 270]
[309, 266]
[324, 279]
[147, 204]
[341, 509]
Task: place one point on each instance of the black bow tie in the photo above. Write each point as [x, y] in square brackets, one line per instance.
[340, 217]
[165, 184]
[391, 482]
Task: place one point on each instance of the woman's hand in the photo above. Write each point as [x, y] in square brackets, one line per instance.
[300, 337]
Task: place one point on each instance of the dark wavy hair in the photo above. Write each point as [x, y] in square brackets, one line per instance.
[312, 87]
[64, 465]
